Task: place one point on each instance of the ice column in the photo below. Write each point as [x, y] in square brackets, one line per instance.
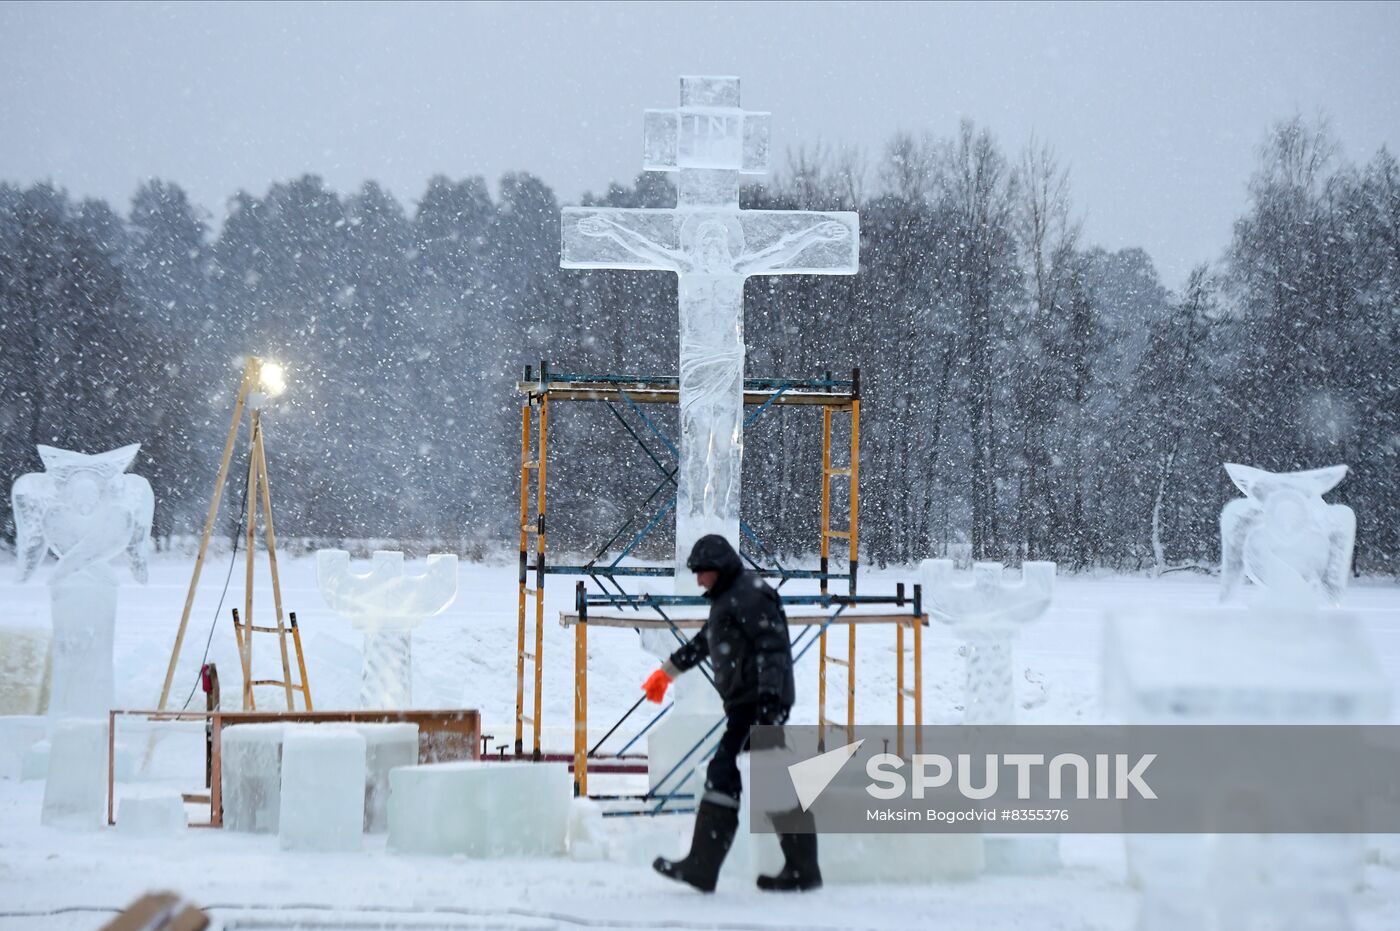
[386, 605]
[87, 511]
[712, 245]
[986, 615]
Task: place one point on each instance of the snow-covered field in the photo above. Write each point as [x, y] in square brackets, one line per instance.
[465, 658]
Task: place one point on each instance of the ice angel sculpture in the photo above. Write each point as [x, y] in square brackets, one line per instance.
[1282, 536]
[86, 510]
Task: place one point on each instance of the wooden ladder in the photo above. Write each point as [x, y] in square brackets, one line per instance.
[260, 500]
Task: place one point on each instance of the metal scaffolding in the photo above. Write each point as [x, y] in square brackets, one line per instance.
[624, 396]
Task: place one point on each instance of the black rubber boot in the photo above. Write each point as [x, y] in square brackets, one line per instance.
[714, 832]
[800, 871]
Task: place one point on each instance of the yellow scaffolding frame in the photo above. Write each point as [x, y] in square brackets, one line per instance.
[533, 459]
[531, 531]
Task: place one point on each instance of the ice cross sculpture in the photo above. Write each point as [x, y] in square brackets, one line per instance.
[87, 510]
[386, 605]
[986, 615]
[712, 246]
[1292, 544]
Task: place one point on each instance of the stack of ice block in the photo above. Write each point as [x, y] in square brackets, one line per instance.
[252, 771]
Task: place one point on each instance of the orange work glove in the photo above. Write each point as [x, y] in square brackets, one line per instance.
[655, 686]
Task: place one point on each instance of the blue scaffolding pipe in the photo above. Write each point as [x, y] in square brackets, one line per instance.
[640, 442]
[662, 571]
[824, 601]
[750, 384]
[638, 736]
[652, 426]
[748, 531]
[681, 762]
[645, 531]
[766, 404]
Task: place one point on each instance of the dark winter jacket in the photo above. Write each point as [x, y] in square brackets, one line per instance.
[746, 636]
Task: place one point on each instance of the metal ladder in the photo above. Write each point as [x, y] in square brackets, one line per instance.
[851, 536]
[532, 531]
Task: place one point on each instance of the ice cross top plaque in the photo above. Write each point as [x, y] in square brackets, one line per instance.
[712, 246]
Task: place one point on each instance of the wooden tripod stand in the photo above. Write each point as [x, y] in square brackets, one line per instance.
[251, 395]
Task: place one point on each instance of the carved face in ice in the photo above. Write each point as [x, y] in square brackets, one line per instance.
[712, 248]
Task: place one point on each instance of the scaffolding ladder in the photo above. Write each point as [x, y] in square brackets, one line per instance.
[850, 472]
[533, 459]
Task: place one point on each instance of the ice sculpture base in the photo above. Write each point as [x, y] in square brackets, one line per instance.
[386, 678]
[1243, 666]
[1231, 665]
[84, 618]
[75, 795]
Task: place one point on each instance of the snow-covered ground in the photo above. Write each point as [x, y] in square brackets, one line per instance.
[465, 658]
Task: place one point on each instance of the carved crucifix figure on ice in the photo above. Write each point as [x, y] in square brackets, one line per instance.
[712, 246]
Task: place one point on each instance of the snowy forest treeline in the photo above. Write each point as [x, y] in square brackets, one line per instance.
[1025, 392]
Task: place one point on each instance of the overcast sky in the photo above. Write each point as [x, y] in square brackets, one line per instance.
[1158, 109]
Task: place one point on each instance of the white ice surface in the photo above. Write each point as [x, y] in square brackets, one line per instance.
[323, 788]
[387, 746]
[75, 793]
[18, 734]
[156, 813]
[466, 659]
[481, 809]
[251, 776]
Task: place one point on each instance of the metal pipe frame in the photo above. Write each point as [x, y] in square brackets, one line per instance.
[630, 391]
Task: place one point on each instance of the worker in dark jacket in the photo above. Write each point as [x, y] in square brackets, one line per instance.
[746, 641]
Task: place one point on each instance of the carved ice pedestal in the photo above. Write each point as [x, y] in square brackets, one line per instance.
[386, 605]
[1237, 666]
